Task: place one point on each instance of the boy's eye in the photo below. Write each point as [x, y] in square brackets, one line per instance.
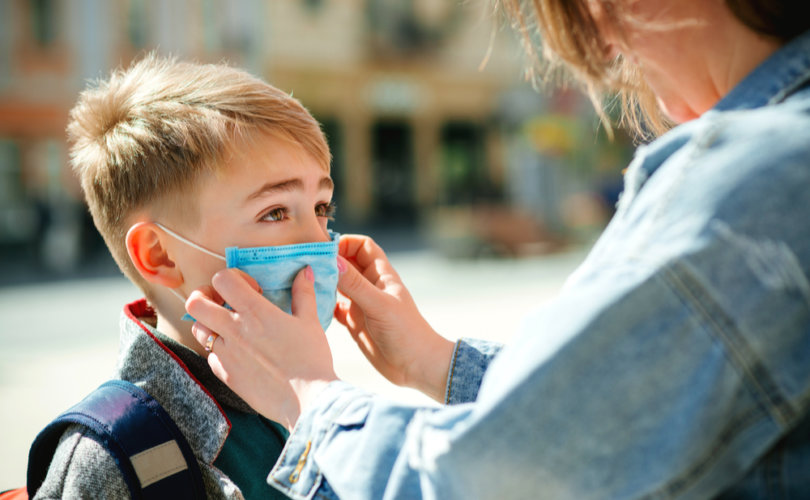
[325, 210]
[275, 214]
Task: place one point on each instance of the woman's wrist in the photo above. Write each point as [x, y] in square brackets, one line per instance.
[429, 374]
[306, 393]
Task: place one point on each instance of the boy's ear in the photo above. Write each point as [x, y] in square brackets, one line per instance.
[147, 253]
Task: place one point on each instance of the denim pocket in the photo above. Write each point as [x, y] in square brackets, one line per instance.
[354, 414]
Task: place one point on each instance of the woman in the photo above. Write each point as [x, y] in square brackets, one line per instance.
[684, 371]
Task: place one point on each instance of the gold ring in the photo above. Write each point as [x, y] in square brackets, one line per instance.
[209, 342]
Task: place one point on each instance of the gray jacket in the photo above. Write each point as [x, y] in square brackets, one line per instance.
[82, 468]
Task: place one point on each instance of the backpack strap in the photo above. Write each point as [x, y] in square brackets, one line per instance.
[151, 452]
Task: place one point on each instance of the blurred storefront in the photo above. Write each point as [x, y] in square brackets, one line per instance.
[423, 135]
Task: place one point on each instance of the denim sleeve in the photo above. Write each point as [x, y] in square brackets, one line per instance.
[471, 358]
[649, 389]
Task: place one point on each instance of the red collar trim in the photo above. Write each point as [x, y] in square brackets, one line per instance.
[139, 308]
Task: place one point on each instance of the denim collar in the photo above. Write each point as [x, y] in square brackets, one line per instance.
[783, 73]
[786, 71]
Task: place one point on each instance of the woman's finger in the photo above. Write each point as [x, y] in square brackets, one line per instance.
[241, 294]
[212, 314]
[219, 370]
[249, 279]
[369, 259]
[359, 247]
[201, 333]
[340, 313]
[356, 287]
[211, 293]
[363, 251]
[350, 316]
[366, 345]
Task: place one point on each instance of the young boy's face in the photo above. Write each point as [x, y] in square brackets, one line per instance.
[269, 192]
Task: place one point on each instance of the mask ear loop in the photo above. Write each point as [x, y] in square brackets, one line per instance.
[177, 294]
[193, 245]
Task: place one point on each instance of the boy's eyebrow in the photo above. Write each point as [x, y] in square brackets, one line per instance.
[289, 185]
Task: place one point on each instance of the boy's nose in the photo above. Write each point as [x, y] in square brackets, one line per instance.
[313, 232]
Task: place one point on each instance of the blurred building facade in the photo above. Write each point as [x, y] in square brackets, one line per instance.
[420, 130]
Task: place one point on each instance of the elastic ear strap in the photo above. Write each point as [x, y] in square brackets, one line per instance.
[177, 294]
[190, 243]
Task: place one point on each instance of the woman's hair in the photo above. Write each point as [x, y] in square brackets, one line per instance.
[783, 20]
[567, 36]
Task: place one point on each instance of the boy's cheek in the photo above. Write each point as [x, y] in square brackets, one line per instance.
[198, 272]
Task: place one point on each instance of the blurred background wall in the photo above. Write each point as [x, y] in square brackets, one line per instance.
[431, 148]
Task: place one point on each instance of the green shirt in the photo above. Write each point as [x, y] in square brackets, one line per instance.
[250, 452]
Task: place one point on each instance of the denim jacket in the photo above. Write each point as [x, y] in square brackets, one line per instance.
[680, 365]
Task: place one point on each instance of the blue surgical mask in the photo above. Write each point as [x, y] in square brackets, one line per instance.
[275, 268]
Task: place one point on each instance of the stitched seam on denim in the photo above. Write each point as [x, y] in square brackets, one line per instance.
[692, 149]
[773, 480]
[287, 489]
[449, 386]
[681, 278]
[294, 494]
[799, 79]
[335, 412]
[316, 438]
[636, 175]
[683, 482]
[280, 460]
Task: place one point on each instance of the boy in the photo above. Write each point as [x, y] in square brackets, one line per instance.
[177, 162]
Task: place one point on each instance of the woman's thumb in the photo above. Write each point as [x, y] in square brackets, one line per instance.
[303, 294]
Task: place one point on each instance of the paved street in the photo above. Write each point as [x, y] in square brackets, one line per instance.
[59, 340]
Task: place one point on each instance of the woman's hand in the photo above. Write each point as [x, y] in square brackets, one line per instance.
[277, 362]
[385, 323]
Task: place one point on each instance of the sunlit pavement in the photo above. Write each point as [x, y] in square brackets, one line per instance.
[59, 341]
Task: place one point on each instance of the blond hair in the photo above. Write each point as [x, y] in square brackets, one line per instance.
[567, 37]
[566, 34]
[145, 136]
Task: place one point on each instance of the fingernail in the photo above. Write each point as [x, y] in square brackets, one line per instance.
[309, 274]
[341, 265]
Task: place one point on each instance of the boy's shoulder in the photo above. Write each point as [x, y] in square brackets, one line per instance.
[119, 426]
[82, 468]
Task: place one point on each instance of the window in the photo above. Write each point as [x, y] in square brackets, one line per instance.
[18, 217]
[43, 21]
[464, 173]
[137, 25]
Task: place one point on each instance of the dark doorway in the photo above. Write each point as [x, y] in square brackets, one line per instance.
[464, 175]
[393, 187]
